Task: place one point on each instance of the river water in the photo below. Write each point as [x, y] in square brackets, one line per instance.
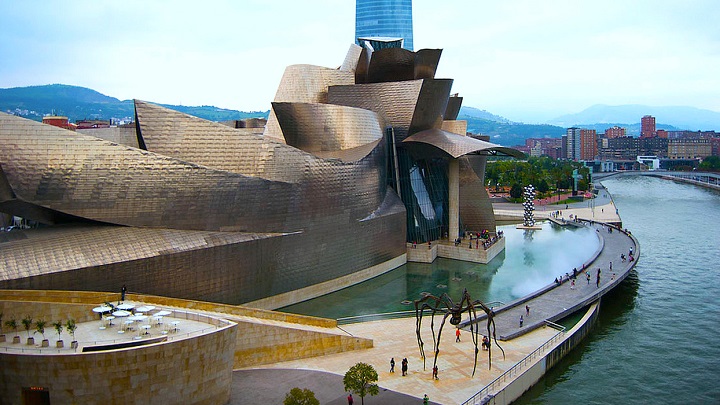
[656, 341]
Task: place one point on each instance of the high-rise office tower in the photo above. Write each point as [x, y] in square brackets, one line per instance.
[647, 126]
[384, 18]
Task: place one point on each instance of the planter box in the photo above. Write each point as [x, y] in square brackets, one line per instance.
[74, 344]
[2, 338]
[45, 343]
[30, 341]
[59, 344]
[16, 339]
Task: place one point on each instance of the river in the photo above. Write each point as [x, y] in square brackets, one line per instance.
[655, 341]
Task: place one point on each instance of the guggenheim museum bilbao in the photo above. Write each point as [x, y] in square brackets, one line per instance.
[353, 165]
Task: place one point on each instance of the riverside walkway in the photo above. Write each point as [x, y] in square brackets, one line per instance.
[395, 338]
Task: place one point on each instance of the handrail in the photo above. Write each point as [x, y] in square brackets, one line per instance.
[391, 315]
[515, 370]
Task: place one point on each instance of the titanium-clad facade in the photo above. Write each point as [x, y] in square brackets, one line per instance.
[385, 18]
[201, 210]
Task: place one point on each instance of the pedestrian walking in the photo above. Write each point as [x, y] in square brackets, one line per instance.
[435, 372]
[588, 277]
[392, 364]
[457, 335]
[527, 311]
[611, 267]
[350, 399]
[123, 290]
[598, 279]
[426, 400]
[572, 284]
[521, 321]
[404, 366]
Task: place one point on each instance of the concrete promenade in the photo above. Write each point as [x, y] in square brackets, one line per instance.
[396, 338]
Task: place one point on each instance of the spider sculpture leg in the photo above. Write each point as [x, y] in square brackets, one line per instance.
[420, 306]
[473, 315]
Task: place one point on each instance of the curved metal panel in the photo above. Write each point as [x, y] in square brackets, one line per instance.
[394, 102]
[453, 108]
[426, 63]
[90, 178]
[476, 211]
[351, 58]
[326, 127]
[361, 70]
[305, 84]
[431, 104]
[391, 65]
[455, 126]
[454, 145]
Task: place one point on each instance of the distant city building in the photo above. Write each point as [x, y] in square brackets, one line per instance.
[572, 143]
[58, 121]
[588, 144]
[647, 126]
[615, 132]
[654, 146]
[715, 146]
[623, 148]
[689, 148]
[91, 124]
[648, 162]
[386, 19]
[661, 133]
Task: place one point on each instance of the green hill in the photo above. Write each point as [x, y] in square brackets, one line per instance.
[78, 103]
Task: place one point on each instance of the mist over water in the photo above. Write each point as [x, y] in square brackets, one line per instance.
[531, 260]
[657, 337]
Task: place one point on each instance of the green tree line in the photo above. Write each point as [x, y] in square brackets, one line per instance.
[546, 174]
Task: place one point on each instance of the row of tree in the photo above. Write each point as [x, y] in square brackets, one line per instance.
[545, 173]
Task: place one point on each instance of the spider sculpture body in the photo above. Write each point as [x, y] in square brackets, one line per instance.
[444, 304]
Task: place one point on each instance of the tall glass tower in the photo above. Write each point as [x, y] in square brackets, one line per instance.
[384, 18]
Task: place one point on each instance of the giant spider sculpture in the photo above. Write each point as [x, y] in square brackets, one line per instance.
[446, 305]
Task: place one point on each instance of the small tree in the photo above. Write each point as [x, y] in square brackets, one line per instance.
[71, 326]
[298, 396]
[361, 379]
[515, 191]
[12, 323]
[27, 323]
[58, 328]
[40, 327]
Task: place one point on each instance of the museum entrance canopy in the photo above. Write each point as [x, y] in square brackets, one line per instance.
[438, 143]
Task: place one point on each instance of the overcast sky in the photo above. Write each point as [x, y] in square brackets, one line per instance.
[526, 60]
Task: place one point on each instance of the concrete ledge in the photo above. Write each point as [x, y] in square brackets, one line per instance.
[313, 291]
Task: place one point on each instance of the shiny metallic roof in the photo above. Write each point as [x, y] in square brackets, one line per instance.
[436, 142]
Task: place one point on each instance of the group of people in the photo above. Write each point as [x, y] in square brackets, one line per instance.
[403, 366]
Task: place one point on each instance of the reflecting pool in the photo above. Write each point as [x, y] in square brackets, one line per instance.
[531, 260]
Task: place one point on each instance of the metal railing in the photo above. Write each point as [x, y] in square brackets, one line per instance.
[520, 366]
[393, 315]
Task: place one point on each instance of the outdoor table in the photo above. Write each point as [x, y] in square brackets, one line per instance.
[146, 328]
[102, 309]
[175, 325]
[121, 313]
[158, 320]
[163, 312]
[145, 308]
[126, 306]
[110, 319]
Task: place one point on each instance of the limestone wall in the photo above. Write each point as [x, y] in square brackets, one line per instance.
[259, 344]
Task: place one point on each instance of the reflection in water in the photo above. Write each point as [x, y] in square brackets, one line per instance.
[525, 266]
[528, 257]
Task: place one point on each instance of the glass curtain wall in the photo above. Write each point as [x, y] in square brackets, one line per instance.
[424, 190]
[384, 18]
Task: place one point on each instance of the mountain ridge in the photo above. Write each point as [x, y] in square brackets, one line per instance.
[78, 103]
